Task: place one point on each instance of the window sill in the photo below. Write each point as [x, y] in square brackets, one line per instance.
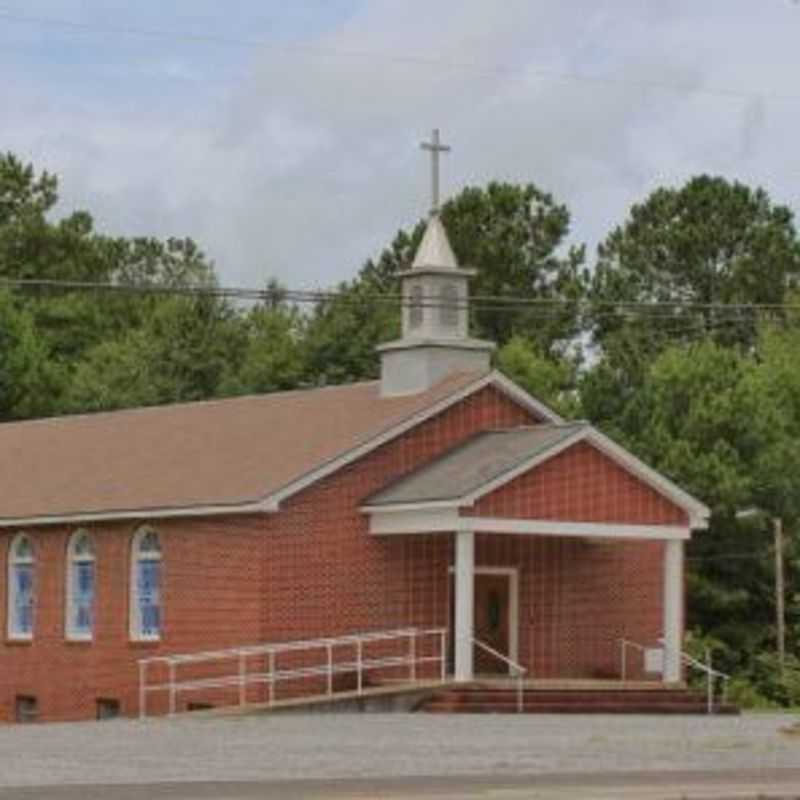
[144, 644]
[19, 641]
[75, 641]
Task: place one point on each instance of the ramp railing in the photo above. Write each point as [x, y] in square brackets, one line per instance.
[315, 662]
[517, 671]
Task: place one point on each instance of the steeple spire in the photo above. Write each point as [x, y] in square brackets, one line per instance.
[435, 338]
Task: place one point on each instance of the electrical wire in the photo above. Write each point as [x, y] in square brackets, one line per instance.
[652, 310]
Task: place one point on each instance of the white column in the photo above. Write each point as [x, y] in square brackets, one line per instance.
[464, 604]
[673, 609]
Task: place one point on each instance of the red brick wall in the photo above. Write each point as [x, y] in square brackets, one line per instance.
[581, 483]
[203, 607]
[314, 569]
[311, 570]
[577, 598]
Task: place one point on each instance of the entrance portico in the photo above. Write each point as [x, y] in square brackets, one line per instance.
[605, 563]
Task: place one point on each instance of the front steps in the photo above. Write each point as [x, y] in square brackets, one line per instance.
[480, 698]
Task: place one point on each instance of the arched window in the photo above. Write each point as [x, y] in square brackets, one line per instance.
[80, 586]
[415, 306]
[448, 310]
[146, 585]
[21, 600]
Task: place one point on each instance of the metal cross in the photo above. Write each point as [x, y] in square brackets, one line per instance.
[435, 147]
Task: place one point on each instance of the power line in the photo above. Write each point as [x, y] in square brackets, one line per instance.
[417, 61]
[663, 311]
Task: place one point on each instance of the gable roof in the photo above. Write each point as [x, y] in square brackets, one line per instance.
[226, 456]
[492, 459]
[466, 468]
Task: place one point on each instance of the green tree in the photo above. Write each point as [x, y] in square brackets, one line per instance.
[272, 355]
[182, 353]
[78, 329]
[709, 242]
[24, 375]
[550, 379]
[724, 424]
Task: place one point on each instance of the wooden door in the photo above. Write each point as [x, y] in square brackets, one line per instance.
[492, 622]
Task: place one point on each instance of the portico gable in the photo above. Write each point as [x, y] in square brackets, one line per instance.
[559, 480]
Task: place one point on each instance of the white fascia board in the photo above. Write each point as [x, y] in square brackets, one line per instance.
[494, 378]
[449, 521]
[137, 514]
[518, 394]
[400, 508]
[698, 512]
[589, 530]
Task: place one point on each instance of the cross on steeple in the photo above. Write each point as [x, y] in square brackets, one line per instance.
[435, 147]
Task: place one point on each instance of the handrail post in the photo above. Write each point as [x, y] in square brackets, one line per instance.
[271, 677]
[142, 689]
[172, 689]
[520, 693]
[412, 655]
[623, 659]
[242, 679]
[330, 668]
[443, 652]
[709, 683]
[359, 662]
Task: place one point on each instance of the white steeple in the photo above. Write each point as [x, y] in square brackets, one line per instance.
[435, 295]
[435, 249]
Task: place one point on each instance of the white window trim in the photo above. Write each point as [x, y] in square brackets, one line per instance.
[134, 622]
[71, 634]
[11, 605]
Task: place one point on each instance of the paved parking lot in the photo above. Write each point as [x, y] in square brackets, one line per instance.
[416, 750]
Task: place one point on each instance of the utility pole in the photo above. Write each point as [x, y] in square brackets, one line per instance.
[780, 610]
[780, 615]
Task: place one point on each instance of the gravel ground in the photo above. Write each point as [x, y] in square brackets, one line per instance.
[352, 746]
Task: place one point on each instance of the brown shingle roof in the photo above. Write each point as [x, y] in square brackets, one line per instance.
[216, 453]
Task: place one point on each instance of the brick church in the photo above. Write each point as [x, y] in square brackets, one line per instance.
[440, 496]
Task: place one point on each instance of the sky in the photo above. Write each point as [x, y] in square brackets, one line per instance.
[284, 136]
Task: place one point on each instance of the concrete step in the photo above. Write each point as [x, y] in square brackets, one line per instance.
[481, 699]
[559, 708]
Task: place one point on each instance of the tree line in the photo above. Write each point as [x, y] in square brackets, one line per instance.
[679, 337]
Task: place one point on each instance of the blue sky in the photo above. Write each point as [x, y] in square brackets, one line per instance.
[296, 156]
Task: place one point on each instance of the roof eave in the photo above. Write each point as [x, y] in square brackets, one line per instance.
[150, 513]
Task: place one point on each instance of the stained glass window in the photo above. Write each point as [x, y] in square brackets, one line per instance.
[81, 587]
[146, 586]
[21, 588]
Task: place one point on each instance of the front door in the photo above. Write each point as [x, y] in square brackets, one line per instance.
[492, 622]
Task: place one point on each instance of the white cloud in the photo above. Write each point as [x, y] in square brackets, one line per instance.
[310, 163]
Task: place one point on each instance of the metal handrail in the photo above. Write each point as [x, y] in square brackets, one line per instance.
[242, 677]
[519, 670]
[711, 674]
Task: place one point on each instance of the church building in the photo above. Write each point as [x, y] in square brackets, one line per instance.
[440, 497]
